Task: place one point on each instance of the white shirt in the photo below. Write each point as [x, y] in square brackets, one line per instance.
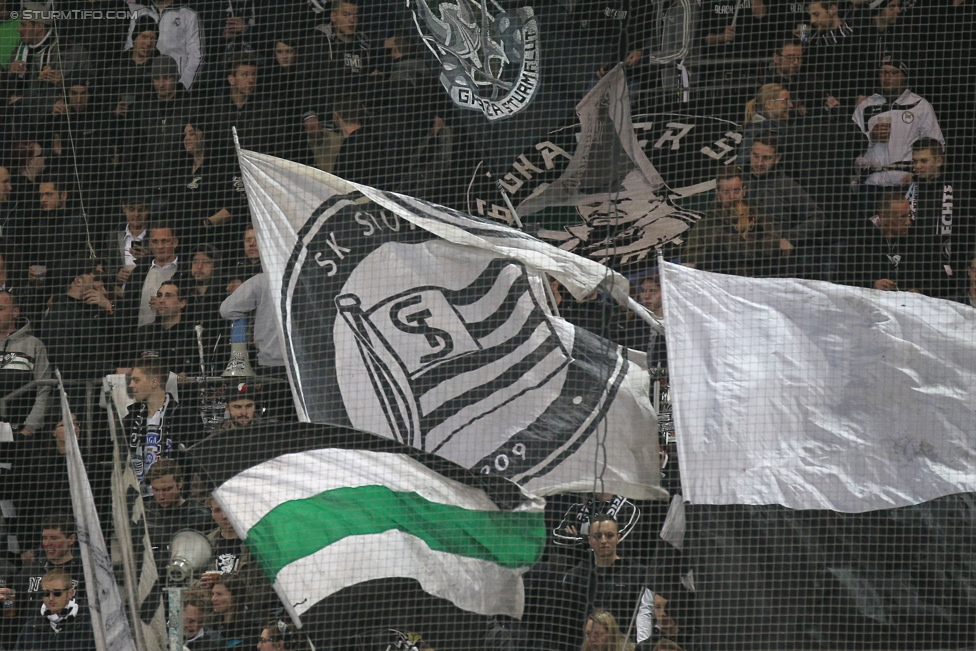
[127, 240]
[155, 278]
[912, 117]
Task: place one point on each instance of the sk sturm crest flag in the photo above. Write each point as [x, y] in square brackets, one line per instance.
[430, 327]
[323, 508]
[875, 411]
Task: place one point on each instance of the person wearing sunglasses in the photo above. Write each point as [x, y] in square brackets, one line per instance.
[60, 624]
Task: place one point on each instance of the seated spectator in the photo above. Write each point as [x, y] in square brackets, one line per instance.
[25, 360]
[170, 338]
[232, 620]
[129, 243]
[62, 623]
[890, 253]
[11, 217]
[156, 424]
[768, 113]
[197, 613]
[279, 635]
[56, 216]
[891, 121]
[339, 55]
[77, 128]
[29, 160]
[603, 634]
[146, 279]
[206, 193]
[239, 106]
[740, 241]
[230, 28]
[787, 69]
[37, 71]
[732, 236]
[180, 35]
[788, 209]
[58, 539]
[128, 79]
[169, 512]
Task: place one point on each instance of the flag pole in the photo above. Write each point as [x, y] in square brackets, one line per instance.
[518, 224]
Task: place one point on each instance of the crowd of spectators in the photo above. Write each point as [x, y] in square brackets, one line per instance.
[125, 230]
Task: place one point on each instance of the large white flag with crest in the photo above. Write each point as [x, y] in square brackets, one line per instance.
[428, 326]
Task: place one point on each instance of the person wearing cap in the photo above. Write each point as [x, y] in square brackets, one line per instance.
[37, 68]
[180, 35]
[241, 407]
[891, 120]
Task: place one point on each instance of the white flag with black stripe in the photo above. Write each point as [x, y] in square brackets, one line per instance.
[429, 326]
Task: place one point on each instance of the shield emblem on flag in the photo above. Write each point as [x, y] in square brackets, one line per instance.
[436, 360]
[447, 348]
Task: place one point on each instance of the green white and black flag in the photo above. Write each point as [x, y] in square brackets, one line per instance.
[430, 327]
[324, 508]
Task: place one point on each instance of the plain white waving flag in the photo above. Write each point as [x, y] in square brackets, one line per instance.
[818, 396]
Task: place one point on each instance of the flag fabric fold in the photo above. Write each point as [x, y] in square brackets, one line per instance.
[606, 153]
[430, 327]
[109, 623]
[813, 395]
[338, 508]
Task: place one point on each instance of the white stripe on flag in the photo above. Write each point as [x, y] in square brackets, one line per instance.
[471, 584]
[305, 474]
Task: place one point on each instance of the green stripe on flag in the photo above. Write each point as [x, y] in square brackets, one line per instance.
[296, 529]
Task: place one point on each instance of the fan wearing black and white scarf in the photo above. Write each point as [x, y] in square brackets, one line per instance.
[62, 625]
[63, 617]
